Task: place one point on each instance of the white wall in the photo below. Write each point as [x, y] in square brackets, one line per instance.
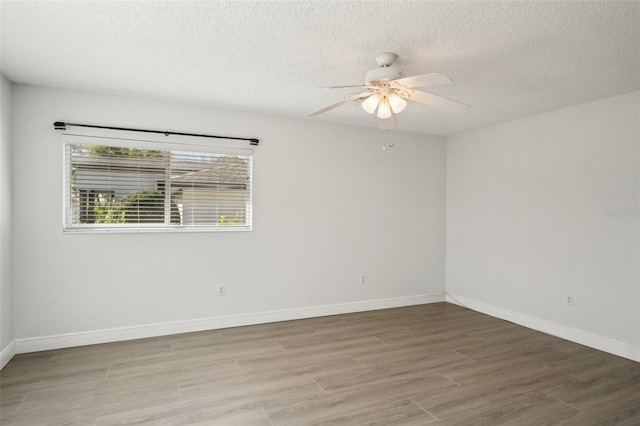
[6, 302]
[329, 205]
[527, 221]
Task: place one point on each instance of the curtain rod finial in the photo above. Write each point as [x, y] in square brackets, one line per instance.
[59, 125]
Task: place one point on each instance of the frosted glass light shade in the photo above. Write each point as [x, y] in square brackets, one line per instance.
[384, 109]
[371, 103]
[397, 103]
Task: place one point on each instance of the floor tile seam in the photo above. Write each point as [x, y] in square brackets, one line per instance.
[471, 335]
[462, 355]
[606, 376]
[47, 386]
[479, 339]
[179, 393]
[424, 409]
[559, 370]
[318, 329]
[266, 415]
[519, 397]
[318, 383]
[283, 382]
[343, 345]
[383, 342]
[447, 378]
[341, 411]
[353, 358]
[22, 402]
[496, 379]
[84, 399]
[563, 402]
[490, 366]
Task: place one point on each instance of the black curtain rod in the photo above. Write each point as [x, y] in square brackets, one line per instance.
[60, 125]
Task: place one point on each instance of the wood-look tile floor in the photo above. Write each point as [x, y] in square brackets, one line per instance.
[436, 364]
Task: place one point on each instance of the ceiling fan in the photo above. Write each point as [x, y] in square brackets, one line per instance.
[387, 89]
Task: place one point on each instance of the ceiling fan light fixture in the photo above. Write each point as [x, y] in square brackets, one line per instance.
[397, 103]
[384, 109]
[387, 91]
[371, 103]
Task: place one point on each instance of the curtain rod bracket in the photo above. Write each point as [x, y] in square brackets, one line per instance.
[61, 125]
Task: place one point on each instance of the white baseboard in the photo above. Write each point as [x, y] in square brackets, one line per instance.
[595, 341]
[153, 330]
[7, 353]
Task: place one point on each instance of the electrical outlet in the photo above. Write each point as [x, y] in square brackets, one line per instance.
[569, 299]
[363, 279]
[221, 290]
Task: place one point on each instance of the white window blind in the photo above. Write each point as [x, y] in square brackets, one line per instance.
[130, 189]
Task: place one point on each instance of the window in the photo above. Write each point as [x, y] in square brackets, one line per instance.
[131, 189]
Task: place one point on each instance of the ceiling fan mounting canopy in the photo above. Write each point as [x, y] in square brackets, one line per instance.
[384, 59]
[386, 71]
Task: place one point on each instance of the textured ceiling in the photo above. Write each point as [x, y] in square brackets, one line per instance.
[507, 59]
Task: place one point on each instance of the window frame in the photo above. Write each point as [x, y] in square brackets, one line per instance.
[177, 144]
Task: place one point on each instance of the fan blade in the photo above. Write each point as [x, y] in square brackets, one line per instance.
[438, 102]
[342, 102]
[433, 79]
